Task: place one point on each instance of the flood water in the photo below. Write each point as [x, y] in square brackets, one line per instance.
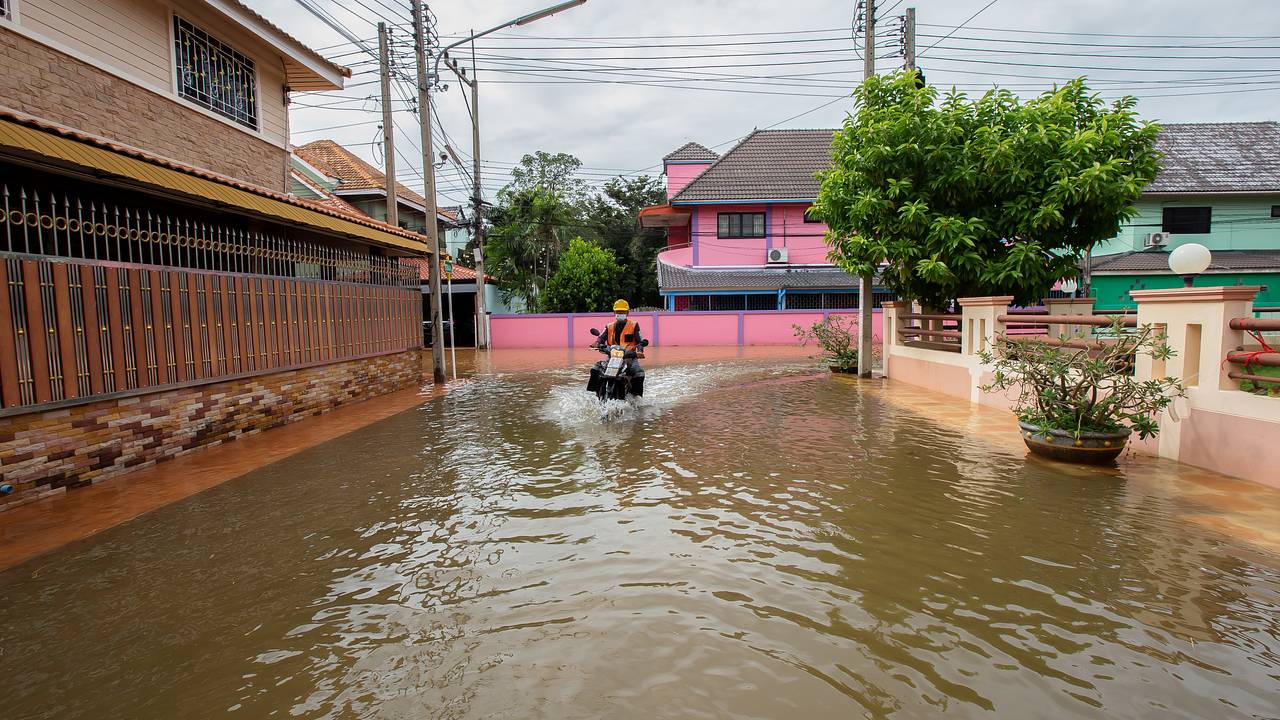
[756, 539]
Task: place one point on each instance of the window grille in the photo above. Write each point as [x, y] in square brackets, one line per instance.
[214, 76]
[4, 9]
[804, 301]
[728, 302]
[762, 301]
[735, 225]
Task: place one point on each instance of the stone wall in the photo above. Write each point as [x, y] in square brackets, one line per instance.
[53, 86]
[47, 452]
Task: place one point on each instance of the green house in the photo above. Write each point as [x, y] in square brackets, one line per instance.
[1219, 185]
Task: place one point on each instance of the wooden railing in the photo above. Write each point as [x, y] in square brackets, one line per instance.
[930, 331]
[79, 330]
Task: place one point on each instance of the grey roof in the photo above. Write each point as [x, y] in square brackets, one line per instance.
[690, 151]
[677, 277]
[1218, 157]
[767, 165]
[1145, 261]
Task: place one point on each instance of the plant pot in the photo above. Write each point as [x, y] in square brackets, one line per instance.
[1090, 448]
[838, 369]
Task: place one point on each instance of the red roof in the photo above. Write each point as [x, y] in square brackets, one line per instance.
[460, 272]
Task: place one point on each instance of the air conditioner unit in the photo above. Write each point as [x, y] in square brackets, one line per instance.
[1156, 239]
[777, 256]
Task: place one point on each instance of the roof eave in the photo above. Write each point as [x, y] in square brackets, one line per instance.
[305, 69]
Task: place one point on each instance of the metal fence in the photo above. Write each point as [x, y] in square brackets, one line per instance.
[46, 223]
[83, 329]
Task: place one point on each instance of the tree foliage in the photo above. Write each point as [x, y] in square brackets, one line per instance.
[614, 214]
[546, 204]
[585, 281]
[991, 196]
[522, 251]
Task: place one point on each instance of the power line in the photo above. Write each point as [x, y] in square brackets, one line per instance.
[957, 28]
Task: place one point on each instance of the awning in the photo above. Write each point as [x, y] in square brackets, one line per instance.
[663, 216]
[33, 140]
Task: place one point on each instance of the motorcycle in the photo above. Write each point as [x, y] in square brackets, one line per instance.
[619, 376]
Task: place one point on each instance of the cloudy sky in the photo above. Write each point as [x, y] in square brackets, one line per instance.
[619, 83]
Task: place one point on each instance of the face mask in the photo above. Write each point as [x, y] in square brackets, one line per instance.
[620, 317]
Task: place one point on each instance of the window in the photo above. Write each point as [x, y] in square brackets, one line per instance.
[1186, 220]
[1275, 211]
[734, 225]
[213, 76]
[6, 8]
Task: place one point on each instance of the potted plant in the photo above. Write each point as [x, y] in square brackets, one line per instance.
[838, 340]
[1081, 404]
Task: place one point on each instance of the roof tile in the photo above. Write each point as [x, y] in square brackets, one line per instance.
[1218, 157]
[690, 151]
[1158, 261]
[767, 165]
[355, 174]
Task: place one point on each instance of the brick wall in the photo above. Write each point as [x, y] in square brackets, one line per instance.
[43, 82]
[47, 452]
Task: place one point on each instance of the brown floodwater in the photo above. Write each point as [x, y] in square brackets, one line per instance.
[756, 539]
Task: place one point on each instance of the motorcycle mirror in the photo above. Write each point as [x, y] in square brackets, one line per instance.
[594, 331]
[644, 343]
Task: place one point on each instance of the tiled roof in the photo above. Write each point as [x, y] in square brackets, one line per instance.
[336, 161]
[1158, 261]
[460, 273]
[767, 165]
[677, 277]
[1198, 158]
[160, 165]
[1218, 157]
[690, 151]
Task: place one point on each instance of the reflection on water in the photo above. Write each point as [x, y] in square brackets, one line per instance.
[751, 540]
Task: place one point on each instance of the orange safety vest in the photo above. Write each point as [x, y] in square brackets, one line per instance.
[629, 333]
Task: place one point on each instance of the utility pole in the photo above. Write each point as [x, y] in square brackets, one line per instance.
[429, 190]
[388, 130]
[909, 34]
[477, 204]
[477, 209]
[864, 282]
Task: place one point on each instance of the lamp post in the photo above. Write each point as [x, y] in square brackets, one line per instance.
[1069, 286]
[1189, 260]
[477, 202]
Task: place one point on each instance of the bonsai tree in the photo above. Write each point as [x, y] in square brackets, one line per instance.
[992, 196]
[837, 338]
[1087, 389]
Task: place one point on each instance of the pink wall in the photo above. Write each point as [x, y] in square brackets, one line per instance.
[786, 228]
[679, 175]
[1230, 444]
[663, 329]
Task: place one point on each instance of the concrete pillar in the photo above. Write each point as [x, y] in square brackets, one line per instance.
[1068, 306]
[979, 322]
[1196, 321]
[890, 322]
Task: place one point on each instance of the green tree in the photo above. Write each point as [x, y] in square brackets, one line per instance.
[522, 250]
[585, 281]
[991, 196]
[542, 170]
[614, 215]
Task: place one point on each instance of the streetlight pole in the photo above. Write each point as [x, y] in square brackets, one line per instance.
[477, 203]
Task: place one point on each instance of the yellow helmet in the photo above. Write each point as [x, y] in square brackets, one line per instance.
[621, 306]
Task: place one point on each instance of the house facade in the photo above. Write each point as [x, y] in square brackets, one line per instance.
[1219, 186]
[160, 289]
[738, 234]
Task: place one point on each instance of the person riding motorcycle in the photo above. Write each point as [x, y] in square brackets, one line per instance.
[625, 332]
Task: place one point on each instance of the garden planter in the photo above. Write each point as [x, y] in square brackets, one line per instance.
[1091, 448]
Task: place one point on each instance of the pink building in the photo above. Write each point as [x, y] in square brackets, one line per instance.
[738, 234]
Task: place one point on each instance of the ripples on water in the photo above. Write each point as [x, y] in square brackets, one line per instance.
[746, 541]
